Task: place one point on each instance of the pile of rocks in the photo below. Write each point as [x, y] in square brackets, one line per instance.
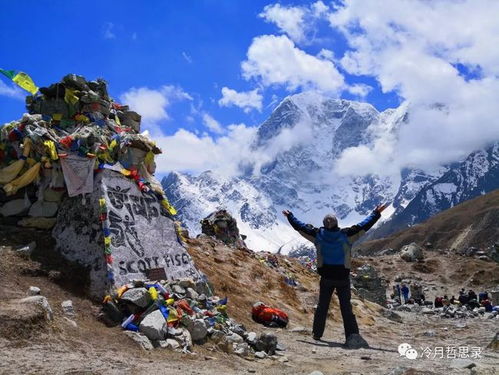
[369, 285]
[450, 312]
[222, 226]
[73, 129]
[178, 314]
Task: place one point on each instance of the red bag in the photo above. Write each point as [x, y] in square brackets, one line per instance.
[269, 316]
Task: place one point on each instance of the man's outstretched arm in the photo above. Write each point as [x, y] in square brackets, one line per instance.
[356, 231]
[305, 230]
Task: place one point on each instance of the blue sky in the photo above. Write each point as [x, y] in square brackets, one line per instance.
[204, 73]
[197, 45]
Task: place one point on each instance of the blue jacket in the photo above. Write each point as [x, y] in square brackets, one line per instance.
[334, 245]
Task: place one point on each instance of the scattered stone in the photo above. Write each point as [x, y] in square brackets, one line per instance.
[267, 342]
[494, 344]
[27, 250]
[137, 296]
[234, 338]
[283, 359]
[427, 311]
[178, 289]
[67, 307]
[430, 333]
[461, 363]
[411, 252]
[185, 339]
[71, 322]
[140, 339]
[192, 294]
[34, 291]
[173, 344]
[217, 336]
[42, 302]
[389, 314]
[251, 338]
[242, 349]
[299, 329]
[260, 355]
[153, 326]
[316, 373]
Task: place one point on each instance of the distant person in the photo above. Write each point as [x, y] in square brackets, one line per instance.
[453, 300]
[463, 298]
[487, 304]
[482, 296]
[333, 245]
[438, 302]
[405, 292]
[472, 295]
[445, 300]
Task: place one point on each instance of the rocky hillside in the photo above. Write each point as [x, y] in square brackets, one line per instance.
[476, 175]
[472, 223]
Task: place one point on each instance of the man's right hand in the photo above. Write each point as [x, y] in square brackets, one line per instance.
[286, 213]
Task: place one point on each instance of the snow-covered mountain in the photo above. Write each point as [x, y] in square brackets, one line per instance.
[299, 174]
[476, 175]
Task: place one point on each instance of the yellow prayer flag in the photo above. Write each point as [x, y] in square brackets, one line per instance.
[23, 80]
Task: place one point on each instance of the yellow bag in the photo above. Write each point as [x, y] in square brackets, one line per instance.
[51, 150]
[10, 172]
[27, 178]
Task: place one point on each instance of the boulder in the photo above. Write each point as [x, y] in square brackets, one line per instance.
[140, 339]
[267, 342]
[15, 207]
[411, 252]
[154, 326]
[192, 294]
[137, 296]
[369, 285]
[43, 209]
[40, 301]
[67, 307]
[34, 291]
[197, 329]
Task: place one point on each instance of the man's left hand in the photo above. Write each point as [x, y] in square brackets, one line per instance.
[380, 207]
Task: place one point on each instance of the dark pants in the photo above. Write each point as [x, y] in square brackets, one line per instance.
[327, 288]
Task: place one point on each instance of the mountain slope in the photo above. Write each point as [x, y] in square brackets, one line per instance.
[476, 175]
[472, 223]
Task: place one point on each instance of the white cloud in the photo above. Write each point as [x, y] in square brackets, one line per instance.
[290, 20]
[212, 124]
[108, 32]
[11, 91]
[296, 21]
[187, 57]
[360, 89]
[412, 48]
[246, 100]
[275, 60]
[186, 151]
[152, 104]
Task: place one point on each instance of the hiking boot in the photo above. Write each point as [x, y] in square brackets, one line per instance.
[317, 338]
[356, 341]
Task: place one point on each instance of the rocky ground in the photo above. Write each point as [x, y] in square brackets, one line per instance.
[82, 345]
